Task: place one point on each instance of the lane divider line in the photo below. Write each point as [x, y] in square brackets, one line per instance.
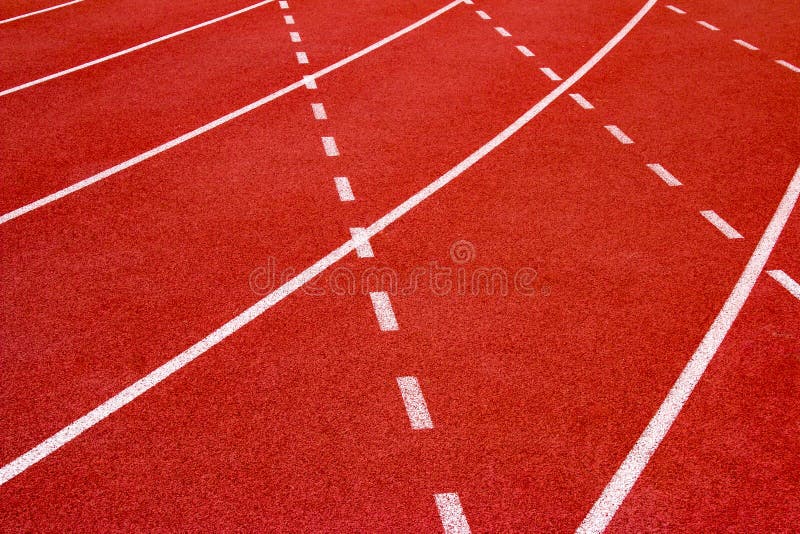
[721, 224]
[581, 101]
[414, 401]
[309, 82]
[664, 174]
[283, 4]
[619, 134]
[707, 25]
[344, 189]
[483, 15]
[453, 519]
[319, 111]
[524, 50]
[295, 37]
[32, 13]
[383, 308]
[361, 242]
[502, 31]
[786, 281]
[302, 58]
[329, 144]
[677, 10]
[787, 65]
[288, 19]
[745, 44]
[550, 74]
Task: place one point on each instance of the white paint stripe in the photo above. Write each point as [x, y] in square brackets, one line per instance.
[619, 134]
[483, 14]
[707, 25]
[220, 121]
[45, 10]
[383, 310]
[786, 281]
[502, 31]
[721, 225]
[664, 174]
[319, 111]
[550, 74]
[131, 49]
[524, 50]
[453, 519]
[745, 44]
[677, 10]
[74, 429]
[787, 65]
[329, 143]
[417, 409]
[344, 189]
[302, 58]
[295, 37]
[283, 4]
[361, 242]
[628, 473]
[288, 19]
[468, 2]
[582, 102]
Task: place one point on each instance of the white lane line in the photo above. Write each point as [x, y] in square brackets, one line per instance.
[361, 241]
[707, 25]
[329, 144]
[721, 224]
[416, 408]
[502, 31]
[787, 65]
[131, 49]
[383, 309]
[468, 2]
[786, 281]
[582, 102]
[283, 4]
[483, 14]
[453, 519]
[305, 82]
[155, 377]
[664, 174]
[32, 13]
[631, 469]
[302, 58]
[344, 189]
[295, 37]
[319, 111]
[288, 19]
[677, 10]
[550, 74]
[524, 50]
[745, 44]
[619, 134]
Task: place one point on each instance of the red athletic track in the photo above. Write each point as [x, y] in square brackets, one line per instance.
[295, 423]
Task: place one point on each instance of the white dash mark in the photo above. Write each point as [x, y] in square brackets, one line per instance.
[344, 189]
[787, 65]
[524, 50]
[721, 225]
[707, 25]
[550, 74]
[453, 519]
[483, 14]
[468, 2]
[786, 281]
[283, 4]
[383, 311]
[745, 44]
[664, 174]
[330, 146]
[417, 410]
[319, 111]
[295, 37]
[619, 134]
[677, 10]
[582, 102]
[502, 31]
[288, 19]
[302, 58]
[361, 241]
[310, 82]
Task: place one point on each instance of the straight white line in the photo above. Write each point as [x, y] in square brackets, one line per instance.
[745, 44]
[787, 65]
[502, 31]
[295, 37]
[483, 14]
[453, 519]
[131, 49]
[524, 50]
[664, 174]
[582, 102]
[677, 10]
[628, 473]
[283, 4]
[302, 58]
[550, 74]
[361, 241]
[707, 25]
[721, 225]
[383, 309]
[126, 396]
[288, 19]
[329, 143]
[416, 408]
[619, 134]
[32, 13]
[319, 111]
[786, 281]
[305, 82]
[344, 189]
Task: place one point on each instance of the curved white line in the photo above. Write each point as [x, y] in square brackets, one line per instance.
[631, 469]
[76, 428]
[45, 10]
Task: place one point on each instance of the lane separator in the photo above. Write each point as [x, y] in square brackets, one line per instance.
[745, 44]
[414, 401]
[383, 308]
[309, 82]
[288, 19]
[295, 37]
[319, 111]
[361, 242]
[788, 65]
[483, 15]
[452, 514]
[582, 102]
[524, 51]
[707, 25]
[502, 31]
[721, 224]
[786, 281]
[329, 144]
[550, 74]
[664, 174]
[677, 10]
[283, 4]
[344, 189]
[618, 134]
[45, 10]
[302, 58]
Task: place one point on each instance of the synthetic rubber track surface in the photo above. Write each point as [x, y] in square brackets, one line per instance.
[523, 402]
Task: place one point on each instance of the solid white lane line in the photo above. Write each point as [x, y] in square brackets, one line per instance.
[677, 10]
[664, 174]
[283, 4]
[344, 189]
[295, 37]
[550, 74]
[45, 10]
[131, 49]
[416, 408]
[786, 281]
[319, 111]
[631, 469]
[329, 144]
[502, 31]
[582, 102]
[453, 519]
[707, 25]
[787, 65]
[302, 58]
[306, 82]
[721, 225]
[129, 394]
[619, 134]
[288, 19]
[524, 50]
[483, 15]
[361, 242]
[745, 44]
[383, 310]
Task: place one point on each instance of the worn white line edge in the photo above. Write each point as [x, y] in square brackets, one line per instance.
[76, 428]
[45, 10]
[786, 281]
[628, 473]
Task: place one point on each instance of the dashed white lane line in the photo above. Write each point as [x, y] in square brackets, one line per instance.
[619, 134]
[721, 224]
[416, 408]
[329, 143]
[664, 174]
[32, 13]
[550, 74]
[309, 82]
[302, 58]
[677, 10]
[468, 2]
[524, 51]
[384, 311]
[787, 65]
[295, 37]
[502, 31]
[131, 49]
[361, 241]
[319, 111]
[483, 14]
[582, 102]
[288, 19]
[453, 519]
[705, 24]
[344, 189]
[786, 281]
[283, 4]
[745, 44]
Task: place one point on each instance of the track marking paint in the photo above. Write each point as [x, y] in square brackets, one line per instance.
[721, 225]
[383, 309]
[302, 58]
[453, 519]
[502, 31]
[707, 25]
[416, 408]
[677, 10]
[295, 37]
[319, 111]
[786, 281]
[550, 74]
[329, 143]
[344, 189]
[787, 65]
[619, 134]
[32, 13]
[524, 50]
[309, 82]
[283, 4]
[483, 15]
[155, 377]
[582, 102]
[288, 19]
[664, 174]
[745, 44]
[131, 49]
[468, 2]
[631, 469]
[361, 242]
